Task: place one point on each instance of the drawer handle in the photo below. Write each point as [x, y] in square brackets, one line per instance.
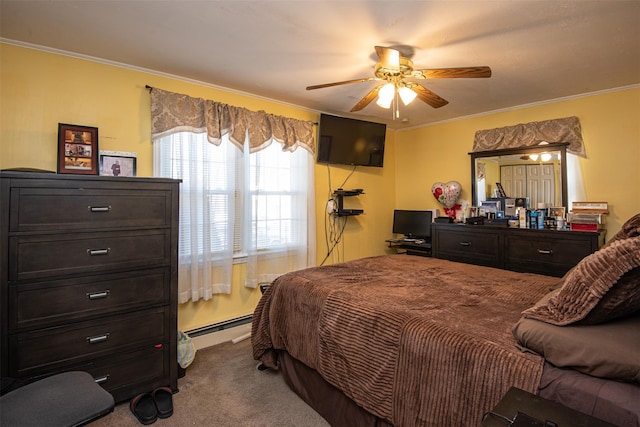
[98, 295]
[99, 208]
[96, 252]
[97, 339]
[465, 243]
[101, 380]
[545, 251]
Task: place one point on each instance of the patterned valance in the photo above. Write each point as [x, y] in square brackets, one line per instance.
[173, 112]
[566, 129]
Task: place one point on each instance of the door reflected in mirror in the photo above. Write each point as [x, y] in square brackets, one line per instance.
[537, 174]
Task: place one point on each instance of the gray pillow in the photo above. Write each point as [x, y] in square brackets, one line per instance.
[609, 350]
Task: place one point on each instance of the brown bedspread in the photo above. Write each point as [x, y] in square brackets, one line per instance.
[415, 341]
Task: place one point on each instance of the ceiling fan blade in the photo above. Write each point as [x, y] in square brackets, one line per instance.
[367, 99]
[389, 58]
[425, 95]
[346, 82]
[453, 73]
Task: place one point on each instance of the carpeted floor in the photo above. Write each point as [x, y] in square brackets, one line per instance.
[221, 388]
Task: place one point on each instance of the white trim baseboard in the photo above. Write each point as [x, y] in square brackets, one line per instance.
[219, 337]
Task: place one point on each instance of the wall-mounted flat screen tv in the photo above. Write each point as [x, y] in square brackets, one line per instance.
[345, 141]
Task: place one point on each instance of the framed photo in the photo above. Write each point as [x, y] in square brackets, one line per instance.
[490, 205]
[472, 211]
[117, 163]
[77, 149]
[556, 212]
[501, 190]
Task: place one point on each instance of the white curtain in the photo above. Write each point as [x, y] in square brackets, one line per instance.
[233, 206]
[280, 197]
[208, 174]
[575, 182]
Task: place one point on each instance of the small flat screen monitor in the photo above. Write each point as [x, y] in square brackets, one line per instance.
[413, 224]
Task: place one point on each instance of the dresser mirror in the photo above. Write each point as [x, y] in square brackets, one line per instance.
[537, 173]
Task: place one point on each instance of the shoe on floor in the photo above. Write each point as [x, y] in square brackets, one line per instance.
[144, 408]
[163, 398]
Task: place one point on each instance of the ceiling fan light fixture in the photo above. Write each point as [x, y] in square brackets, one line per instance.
[533, 157]
[392, 69]
[407, 95]
[385, 95]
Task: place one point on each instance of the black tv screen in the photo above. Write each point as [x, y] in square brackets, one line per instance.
[346, 141]
[412, 223]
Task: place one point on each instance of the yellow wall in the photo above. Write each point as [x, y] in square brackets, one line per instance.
[611, 132]
[39, 89]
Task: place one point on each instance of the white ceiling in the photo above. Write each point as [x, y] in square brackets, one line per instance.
[538, 50]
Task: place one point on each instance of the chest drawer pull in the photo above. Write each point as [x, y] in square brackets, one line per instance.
[99, 208]
[98, 295]
[96, 252]
[101, 380]
[545, 251]
[98, 338]
[465, 243]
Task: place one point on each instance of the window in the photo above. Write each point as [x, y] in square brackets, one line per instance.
[207, 191]
[236, 205]
[274, 194]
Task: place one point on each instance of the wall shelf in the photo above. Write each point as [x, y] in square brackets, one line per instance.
[339, 195]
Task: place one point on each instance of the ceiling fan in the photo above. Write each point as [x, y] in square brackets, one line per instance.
[398, 75]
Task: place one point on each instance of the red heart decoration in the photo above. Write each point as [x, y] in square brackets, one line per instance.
[447, 194]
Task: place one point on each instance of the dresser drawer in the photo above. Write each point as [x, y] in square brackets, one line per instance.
[126, 375]
[469, 246]
[53, 348]
[35, 209]
[50, 255]
[54, 302]
[545, 255]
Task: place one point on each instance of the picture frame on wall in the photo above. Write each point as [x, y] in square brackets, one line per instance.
[77, 149]
[118, 163]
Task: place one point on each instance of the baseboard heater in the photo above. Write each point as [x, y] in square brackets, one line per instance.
[220, 326]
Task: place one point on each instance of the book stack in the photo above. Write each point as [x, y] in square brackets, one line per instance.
[588, 216]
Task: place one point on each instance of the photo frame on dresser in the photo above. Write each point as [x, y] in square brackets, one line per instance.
[557, 211]
[118, 163]
[77, 149]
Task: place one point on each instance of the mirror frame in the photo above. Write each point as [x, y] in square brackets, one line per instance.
[561, 147]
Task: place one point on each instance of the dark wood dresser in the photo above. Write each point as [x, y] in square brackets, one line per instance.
[88, 275]
[549, 252]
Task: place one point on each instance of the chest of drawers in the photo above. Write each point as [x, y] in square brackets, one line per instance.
[89, 279]
[549, 252]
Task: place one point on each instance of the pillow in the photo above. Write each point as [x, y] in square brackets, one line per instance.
[621, 301]
[601, 276]
[610, 350]
[631, 228]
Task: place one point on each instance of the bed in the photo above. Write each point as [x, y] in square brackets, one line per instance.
[405, 340]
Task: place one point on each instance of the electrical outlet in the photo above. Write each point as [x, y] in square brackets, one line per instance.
[331, 206]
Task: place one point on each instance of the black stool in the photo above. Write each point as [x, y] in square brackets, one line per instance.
[61, 400]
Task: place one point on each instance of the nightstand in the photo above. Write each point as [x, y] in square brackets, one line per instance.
[550, 414]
